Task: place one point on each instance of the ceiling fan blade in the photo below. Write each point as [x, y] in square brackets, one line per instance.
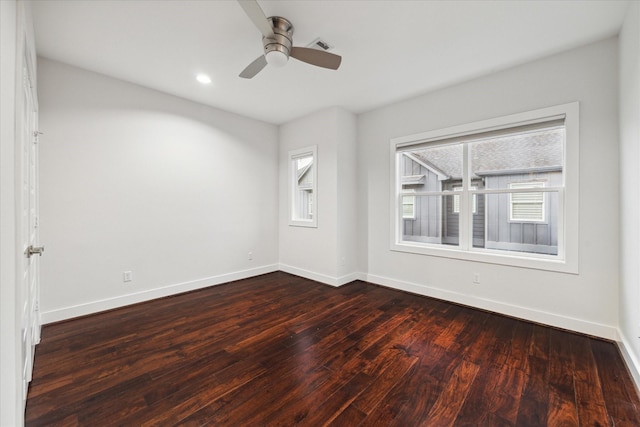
[316, 57]
[254, 68]
[255, 13]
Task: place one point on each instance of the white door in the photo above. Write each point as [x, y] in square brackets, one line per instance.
[29, 287]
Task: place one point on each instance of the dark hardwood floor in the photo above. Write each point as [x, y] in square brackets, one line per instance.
[282, 350]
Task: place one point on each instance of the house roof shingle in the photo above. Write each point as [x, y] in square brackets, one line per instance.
[531, 151]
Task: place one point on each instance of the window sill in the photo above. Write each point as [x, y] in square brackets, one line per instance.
[302, 223]
[488, 256]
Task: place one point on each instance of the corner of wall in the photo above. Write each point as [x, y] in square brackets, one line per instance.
[630, 358]
[629, 131]
[326, 253]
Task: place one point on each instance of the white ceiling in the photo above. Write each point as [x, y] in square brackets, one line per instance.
[391, 50]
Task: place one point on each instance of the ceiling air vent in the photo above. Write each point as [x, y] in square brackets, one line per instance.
[320, 44]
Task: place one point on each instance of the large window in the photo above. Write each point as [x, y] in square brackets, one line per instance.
[302, 187]
[502, 190]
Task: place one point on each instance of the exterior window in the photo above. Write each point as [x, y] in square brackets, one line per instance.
[303, 177]
[409, 207]
[493, 191]
[527, 206]
[456, 200]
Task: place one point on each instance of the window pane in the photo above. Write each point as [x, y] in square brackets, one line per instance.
[434, 221]
[408, 207]
[303, 187]
[426, 169]
[302, 167]
[501, 232]
[527, 156]
[304, 204]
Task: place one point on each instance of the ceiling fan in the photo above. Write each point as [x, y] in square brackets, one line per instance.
[277, 39]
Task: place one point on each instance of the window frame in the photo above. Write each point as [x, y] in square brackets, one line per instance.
[293, 155]
[567, 260]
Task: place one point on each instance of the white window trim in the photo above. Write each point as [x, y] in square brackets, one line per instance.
[567, 260]
[292, 179]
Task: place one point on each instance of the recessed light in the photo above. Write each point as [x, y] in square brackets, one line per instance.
[203, 78]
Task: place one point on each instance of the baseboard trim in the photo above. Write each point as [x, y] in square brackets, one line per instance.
[551, 319]
[147, 295]
[630, 359]
[348, 278]
[322, 278]
[546, 318]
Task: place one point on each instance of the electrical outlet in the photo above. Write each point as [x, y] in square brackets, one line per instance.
[476, 278]
[250, 256]
[127, 276]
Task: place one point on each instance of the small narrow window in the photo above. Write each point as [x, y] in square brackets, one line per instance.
[456, 200]
[303, 177]
[409, 207]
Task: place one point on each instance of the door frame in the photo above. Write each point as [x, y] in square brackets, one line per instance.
[27, 135]
[16, 40]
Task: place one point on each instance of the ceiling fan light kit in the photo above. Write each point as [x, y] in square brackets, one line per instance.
[277, 40]
[278, 48]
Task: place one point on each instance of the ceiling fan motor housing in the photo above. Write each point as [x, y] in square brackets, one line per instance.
[277, 41]
[283, 32]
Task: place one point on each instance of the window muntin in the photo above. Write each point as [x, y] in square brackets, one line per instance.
[302, 184]
[554, 248]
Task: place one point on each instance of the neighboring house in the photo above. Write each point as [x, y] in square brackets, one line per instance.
[304, 189]
[511, 221]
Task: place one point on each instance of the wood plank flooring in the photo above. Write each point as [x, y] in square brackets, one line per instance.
[281, 350]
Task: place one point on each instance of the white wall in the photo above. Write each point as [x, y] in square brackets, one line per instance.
[347, 190]
[630, 200]
[134, 179]
[587, 302]
[325, 253]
